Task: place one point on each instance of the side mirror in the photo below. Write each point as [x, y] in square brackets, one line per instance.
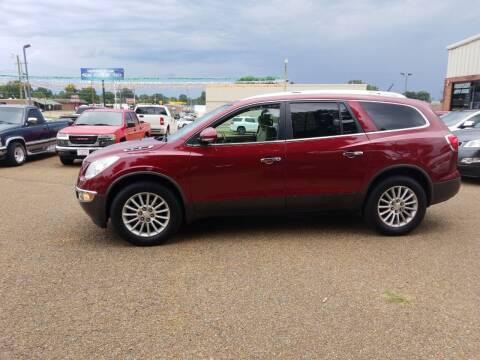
[129, 125]
[208, 136]
[468, 124]
[142, 122]
[32, 121]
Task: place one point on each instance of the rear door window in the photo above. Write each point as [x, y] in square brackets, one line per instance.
[393, 116]
[151, 110]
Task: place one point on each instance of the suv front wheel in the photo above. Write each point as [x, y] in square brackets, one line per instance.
[146, 214]
[396, 205]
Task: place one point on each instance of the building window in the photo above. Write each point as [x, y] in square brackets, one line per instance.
[461, 96]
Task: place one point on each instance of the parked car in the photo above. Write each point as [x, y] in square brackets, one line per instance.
[244, 124]
[24, 132]
[469, 152]
[79, 112]
[160, 118]
[456, 120]
[387, 157]
[184, 122]
[95, 129]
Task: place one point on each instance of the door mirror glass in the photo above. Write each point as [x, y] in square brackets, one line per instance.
[32, 121]
[208, 136]
[468, 124]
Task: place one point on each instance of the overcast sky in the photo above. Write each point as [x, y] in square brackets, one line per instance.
[325, 41]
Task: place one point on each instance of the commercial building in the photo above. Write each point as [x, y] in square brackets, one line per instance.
[221, 94]
[462, 84]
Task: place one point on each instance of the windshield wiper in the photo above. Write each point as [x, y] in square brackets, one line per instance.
[101, 124]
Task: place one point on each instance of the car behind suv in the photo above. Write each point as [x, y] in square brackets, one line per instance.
[385, 156]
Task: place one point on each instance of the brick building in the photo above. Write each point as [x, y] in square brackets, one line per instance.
[462, 83]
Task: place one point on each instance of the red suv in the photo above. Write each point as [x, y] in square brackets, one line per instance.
[380, 154]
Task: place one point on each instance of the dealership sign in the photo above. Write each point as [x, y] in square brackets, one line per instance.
[101, 74]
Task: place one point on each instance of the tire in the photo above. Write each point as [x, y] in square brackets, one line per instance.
[16, 154]
[66, 160]
[399, 214]
[241, 130]
[168, 131]
[138, 217]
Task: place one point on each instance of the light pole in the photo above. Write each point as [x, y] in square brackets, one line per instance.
[29, 96]
[406, 75]
[285, 62]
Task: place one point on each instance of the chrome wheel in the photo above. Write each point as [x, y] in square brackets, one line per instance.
[146, 214]
[397, 206]
[19, 154]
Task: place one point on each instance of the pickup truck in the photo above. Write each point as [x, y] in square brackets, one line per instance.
[160, 117]
[96, 129]
[24, 132]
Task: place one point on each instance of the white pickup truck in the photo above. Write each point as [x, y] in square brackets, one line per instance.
[160, 118]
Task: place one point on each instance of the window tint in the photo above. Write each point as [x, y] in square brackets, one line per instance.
[129, 118]
[151, 110]
[315, 120]
[393, 116]
[33, 113]
[264, 127]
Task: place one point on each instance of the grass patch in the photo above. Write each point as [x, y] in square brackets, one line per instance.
[391, 297]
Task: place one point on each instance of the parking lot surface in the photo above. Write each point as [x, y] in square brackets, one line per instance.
[299, 287]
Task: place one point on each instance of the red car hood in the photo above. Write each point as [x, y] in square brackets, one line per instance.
[127, 148]
[89, 130]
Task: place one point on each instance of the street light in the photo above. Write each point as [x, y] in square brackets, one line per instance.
[406, 75]
[285, 62]
[29, 96]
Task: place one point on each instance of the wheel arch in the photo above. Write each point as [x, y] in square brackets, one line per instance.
[155, 177]
[16, 139]
[412, 171]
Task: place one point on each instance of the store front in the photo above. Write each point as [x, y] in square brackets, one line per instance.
[465, 95]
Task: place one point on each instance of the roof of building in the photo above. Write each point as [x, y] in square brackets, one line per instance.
[45, 101]
[464, 42]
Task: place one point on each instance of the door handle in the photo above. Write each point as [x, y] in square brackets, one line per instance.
[270, 160]
[352, 154]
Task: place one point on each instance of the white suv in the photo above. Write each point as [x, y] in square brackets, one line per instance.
[244, 124]
[160, 118]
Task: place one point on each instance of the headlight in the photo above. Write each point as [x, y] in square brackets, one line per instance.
[62, 136]
[106, 137]
[473, 143]
[98, 166]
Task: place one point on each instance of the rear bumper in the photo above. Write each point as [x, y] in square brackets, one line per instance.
[444, 190]
[472, 170]
[95, 209]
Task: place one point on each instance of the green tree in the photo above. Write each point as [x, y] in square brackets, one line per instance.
[11, 90]
[89, 95]
[420, 95]
[183, 97]
[109, 97]
[70, 90]
[42, 93]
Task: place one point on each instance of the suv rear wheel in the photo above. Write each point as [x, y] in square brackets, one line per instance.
[396, 205]
[241, 130]
[146, 214]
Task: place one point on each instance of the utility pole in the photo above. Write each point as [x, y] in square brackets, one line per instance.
[103, 92]
[406, 75]
[27, 92]
[285, 73]
[20, 84]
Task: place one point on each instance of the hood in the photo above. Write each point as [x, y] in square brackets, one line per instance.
[467, 134]
[90, 130]
[4, 127]
[127, 148]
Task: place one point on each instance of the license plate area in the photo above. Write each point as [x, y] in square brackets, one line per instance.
[83, 152]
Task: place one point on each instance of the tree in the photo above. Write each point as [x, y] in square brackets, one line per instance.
[183, 97]
[369, 87]
[10, 90]
[88, 94]
[70, 90]
[125, 93]
[42, 93]
[109, 97]
[420, 95]
[250, 78]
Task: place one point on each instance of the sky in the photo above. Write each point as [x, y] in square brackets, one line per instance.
[324, 41]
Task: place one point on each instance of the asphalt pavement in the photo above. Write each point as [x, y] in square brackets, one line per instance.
[299, 287]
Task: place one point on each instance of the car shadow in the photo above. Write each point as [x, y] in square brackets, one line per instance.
[473, 181]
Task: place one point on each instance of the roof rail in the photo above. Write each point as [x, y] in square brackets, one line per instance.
[333, 92]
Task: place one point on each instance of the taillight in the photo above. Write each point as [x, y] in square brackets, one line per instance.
[452, 140]
[162, 120]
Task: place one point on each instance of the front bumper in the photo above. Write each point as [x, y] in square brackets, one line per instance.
[442, 191]
[95, 209]
[71, 151]
[472, 169]
[3, 152]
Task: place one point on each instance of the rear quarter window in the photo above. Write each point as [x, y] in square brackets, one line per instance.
[393, 116]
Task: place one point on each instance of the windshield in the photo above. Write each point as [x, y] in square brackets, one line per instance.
[150, 110]
[454, 117]
[82, 109]
[107, 118]
[198, 122]
[11, 115]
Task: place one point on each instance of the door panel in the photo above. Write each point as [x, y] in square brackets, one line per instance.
[226, 178]
[37, 136]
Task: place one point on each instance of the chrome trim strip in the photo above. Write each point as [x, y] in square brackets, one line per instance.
[13, 138]
[76, 148]
[41, 141]
[87, 191]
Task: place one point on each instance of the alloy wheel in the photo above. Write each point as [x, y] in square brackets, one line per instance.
[397, 206]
